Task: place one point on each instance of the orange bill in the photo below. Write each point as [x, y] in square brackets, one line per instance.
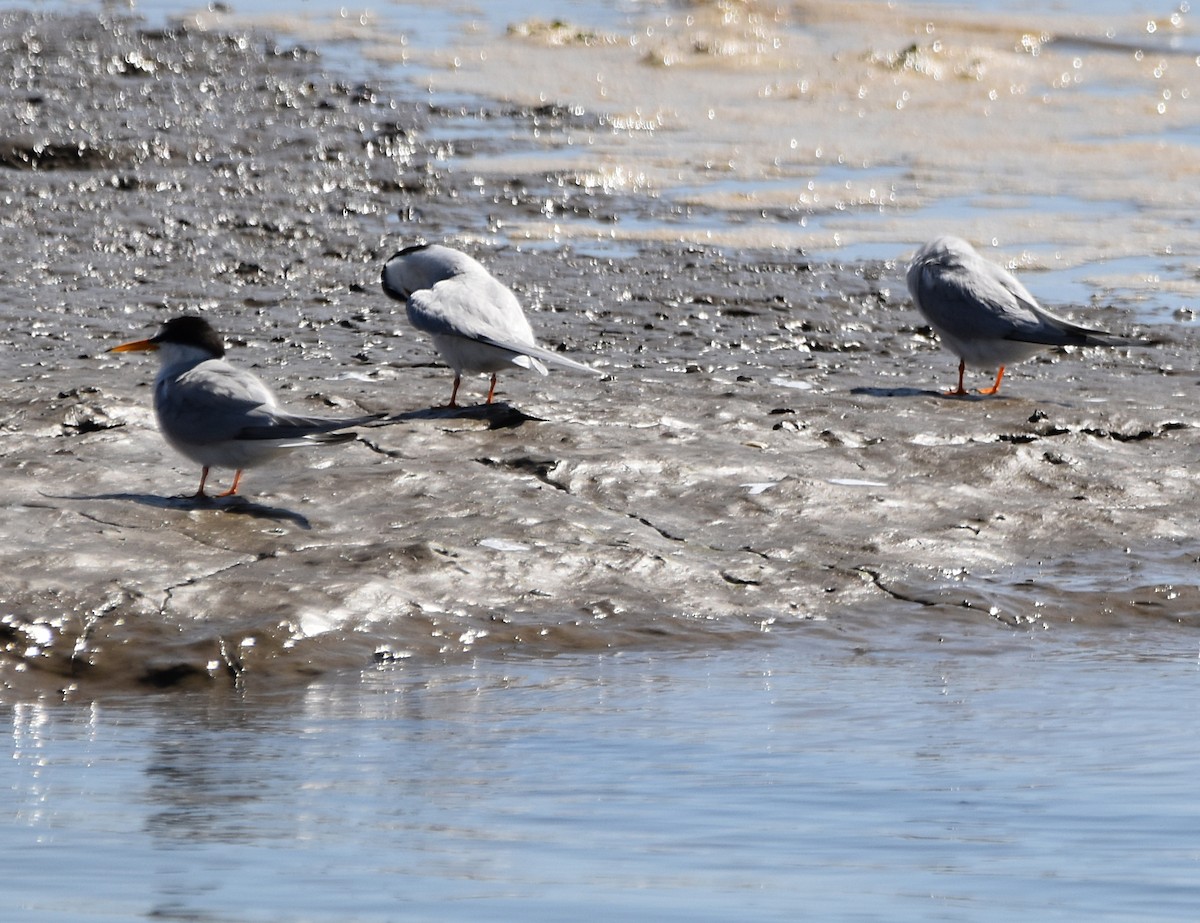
[135, 346]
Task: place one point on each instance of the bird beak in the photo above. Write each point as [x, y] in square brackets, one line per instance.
[136, 346]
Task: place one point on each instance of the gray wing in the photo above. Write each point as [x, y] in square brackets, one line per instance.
[215, 402]
[471, 305]
[212, 401]
[475, 306]
[978, 299]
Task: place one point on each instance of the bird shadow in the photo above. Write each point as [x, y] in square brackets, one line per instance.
[972, 396]
[499, 415]
[903, 392]
[235, 505]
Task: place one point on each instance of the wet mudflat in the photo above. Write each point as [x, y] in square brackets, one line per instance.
[769, 448]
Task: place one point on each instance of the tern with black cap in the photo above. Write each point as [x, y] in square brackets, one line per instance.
[220, 416]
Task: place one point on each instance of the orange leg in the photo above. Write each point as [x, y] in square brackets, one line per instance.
[200, 494]
[492, 389]
[996, 387]
[962, 368]
[454, 392]
[237, 479]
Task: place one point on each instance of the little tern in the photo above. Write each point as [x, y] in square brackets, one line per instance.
[983, 314]
[475, 321]
[220, 416]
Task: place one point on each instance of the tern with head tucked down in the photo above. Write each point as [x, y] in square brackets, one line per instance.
[475, 321]
[220, 416]
[983, 314]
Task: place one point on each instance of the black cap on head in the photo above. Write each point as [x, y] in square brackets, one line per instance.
[190, 330]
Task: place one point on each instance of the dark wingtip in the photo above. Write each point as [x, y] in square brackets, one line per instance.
[333, 438]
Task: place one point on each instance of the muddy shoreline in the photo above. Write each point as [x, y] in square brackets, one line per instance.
[768, 451]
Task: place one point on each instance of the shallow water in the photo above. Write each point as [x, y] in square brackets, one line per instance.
[999, 777]
[1059, 135]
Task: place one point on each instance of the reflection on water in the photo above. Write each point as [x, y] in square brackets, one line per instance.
[975, 779]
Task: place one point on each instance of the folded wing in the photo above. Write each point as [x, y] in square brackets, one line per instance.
[476, 307]
[978, 299]
[275, 425]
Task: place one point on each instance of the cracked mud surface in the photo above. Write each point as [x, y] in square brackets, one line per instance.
[769, 450]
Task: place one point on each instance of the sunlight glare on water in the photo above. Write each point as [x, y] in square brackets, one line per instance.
[1017, 131]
